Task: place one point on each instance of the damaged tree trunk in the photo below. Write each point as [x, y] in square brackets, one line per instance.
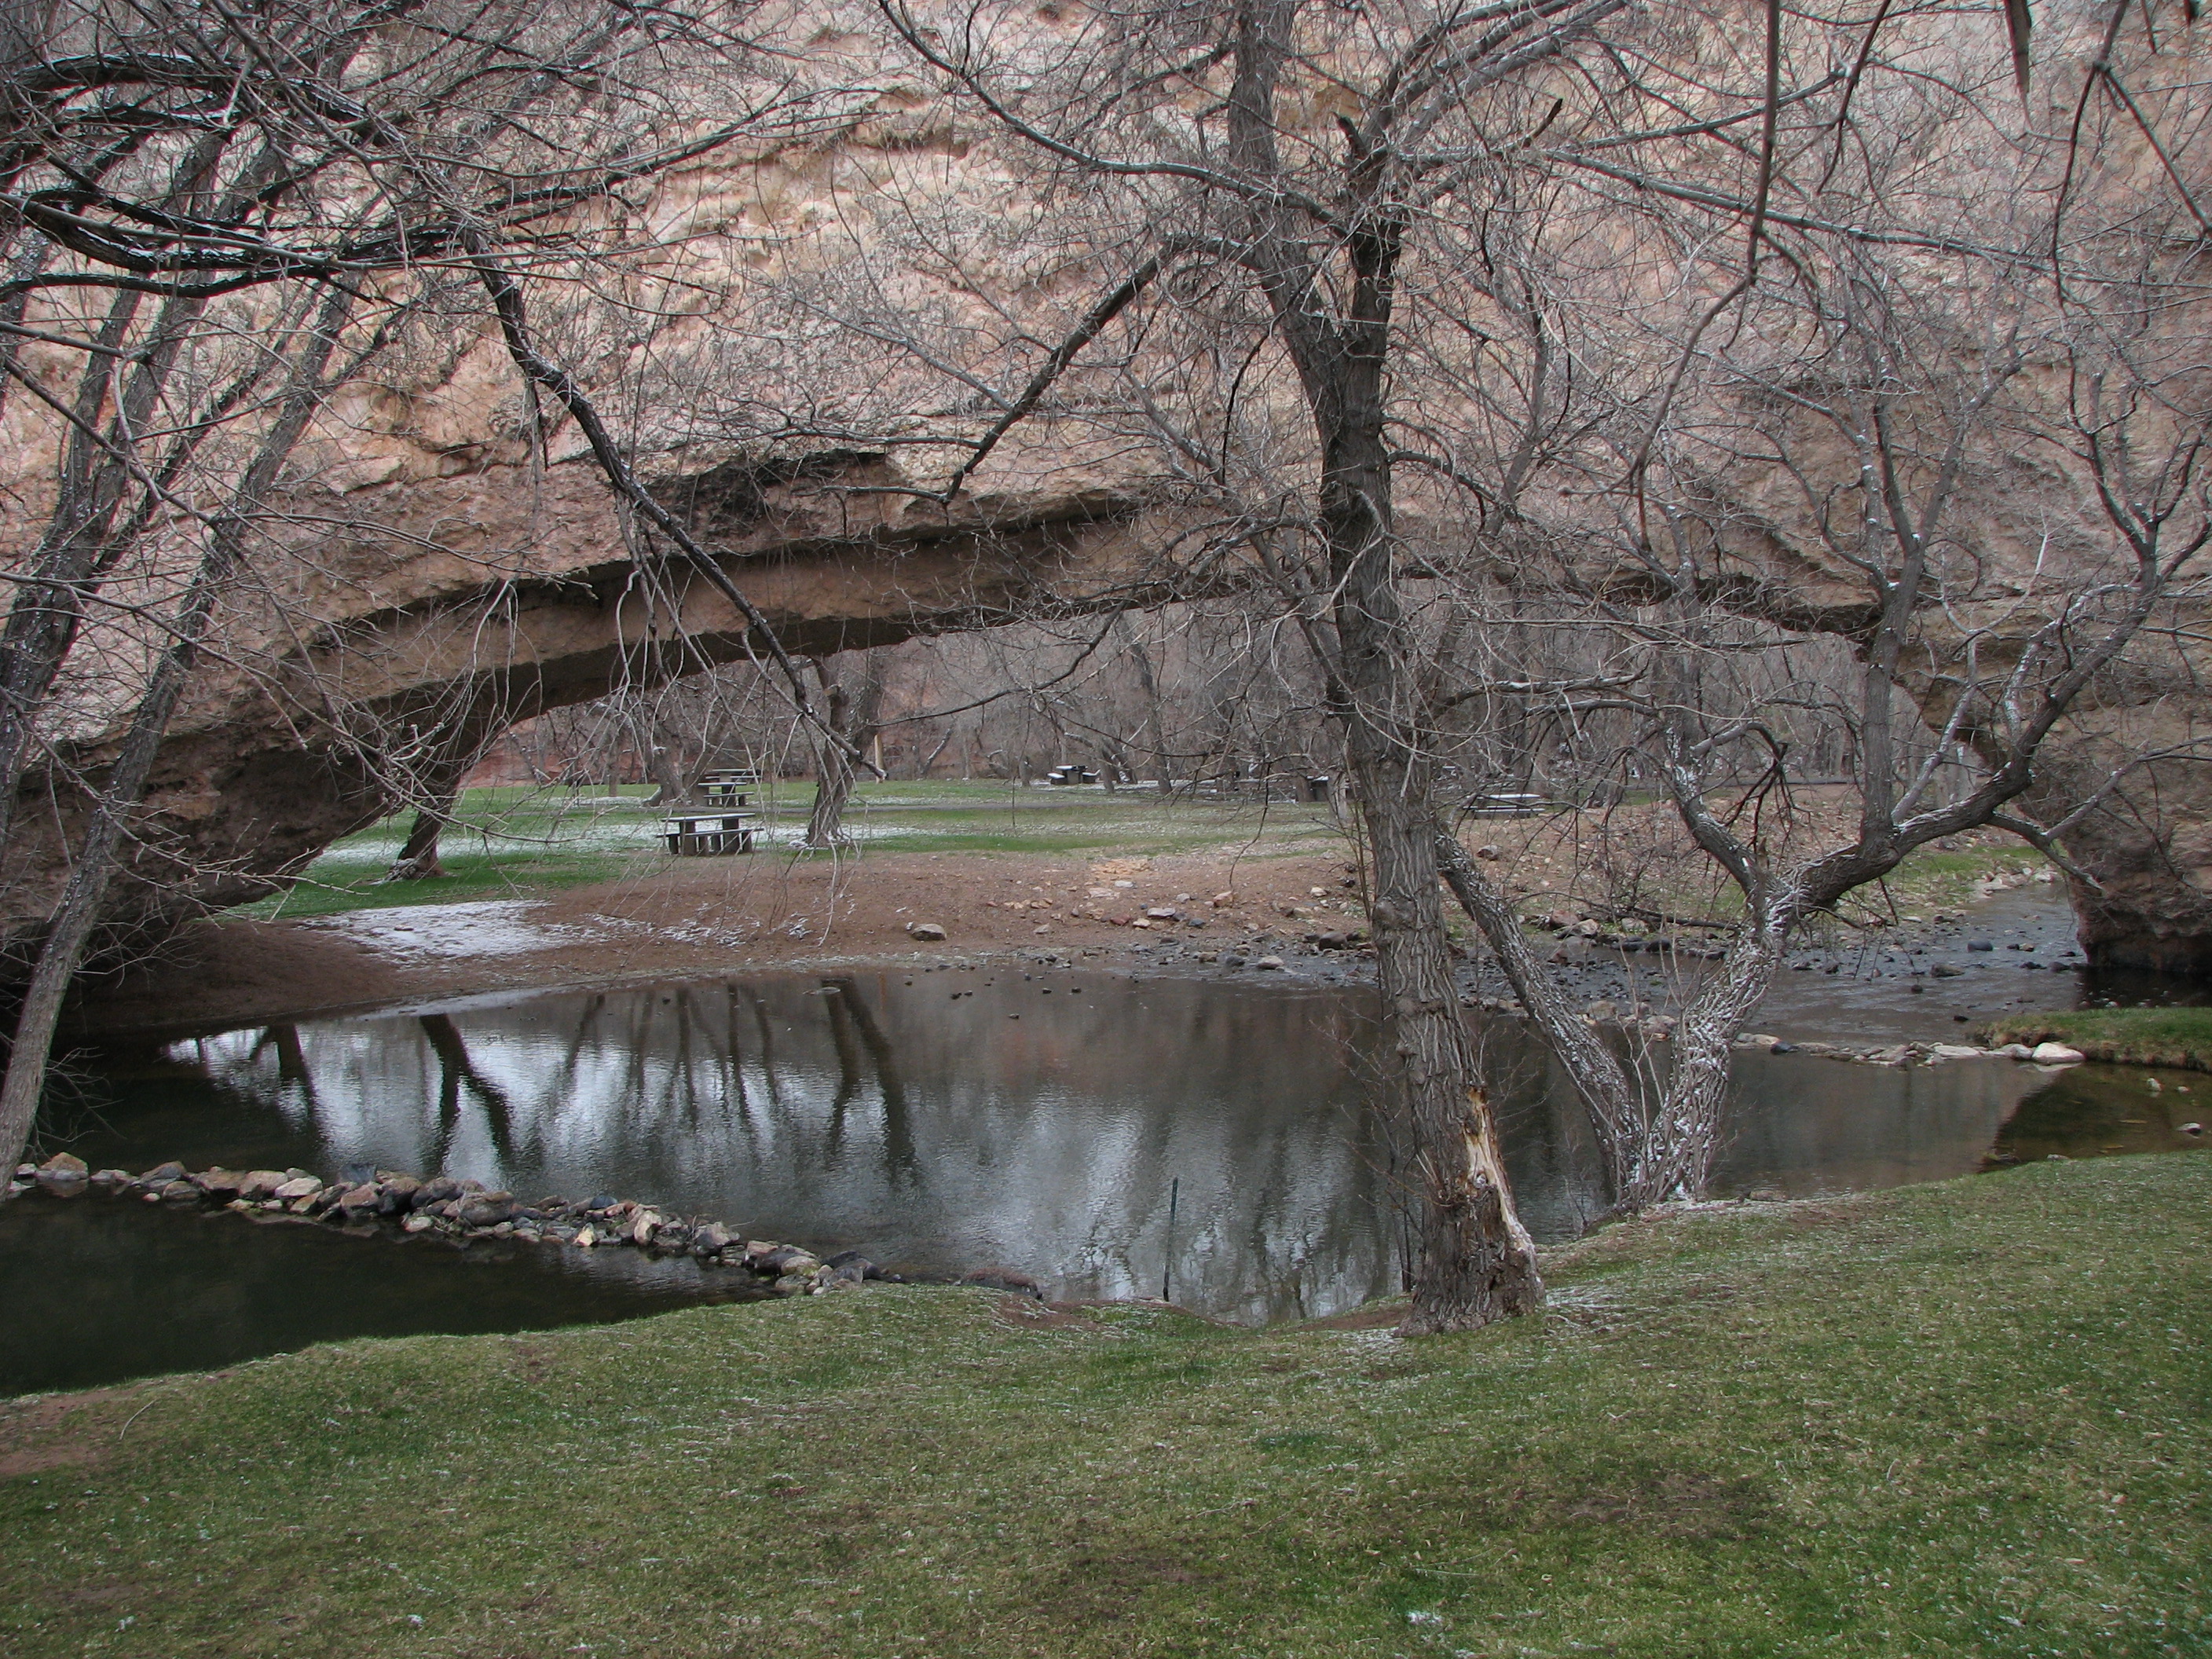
[1475, 1260]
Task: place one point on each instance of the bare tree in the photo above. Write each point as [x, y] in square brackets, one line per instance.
[78, 913]
[851, 719]
[219, 218]
[1919, 417]
[1195, 136]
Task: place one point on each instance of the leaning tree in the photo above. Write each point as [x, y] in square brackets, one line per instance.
[1955, 413]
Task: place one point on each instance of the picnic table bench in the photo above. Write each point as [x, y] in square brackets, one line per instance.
[729, 787]
[701, 835]
[1501, 806]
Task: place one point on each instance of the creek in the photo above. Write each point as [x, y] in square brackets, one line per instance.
[1109, 1133]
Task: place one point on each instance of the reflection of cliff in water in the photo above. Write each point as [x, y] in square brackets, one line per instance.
[950, 1120]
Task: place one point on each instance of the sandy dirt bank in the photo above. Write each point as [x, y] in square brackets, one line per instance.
[696, 917]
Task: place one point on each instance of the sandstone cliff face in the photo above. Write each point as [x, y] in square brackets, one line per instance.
[486, 597]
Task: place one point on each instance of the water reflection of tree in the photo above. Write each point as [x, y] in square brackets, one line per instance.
[683, 1076]
[1021, 1168]
[849, 1013]
[457, 1072]
[832, 994]
[292, 1069]
[768, 1051]
[739, 1100]
[566, 1075]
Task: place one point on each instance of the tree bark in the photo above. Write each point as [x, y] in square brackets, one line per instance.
[849, 722]
[1616, 1106]
[1686, 1137]
[418, 854]
[1658, 1138]
[78, 913]
[1474, 1262]
[671, 788]
[833, 787]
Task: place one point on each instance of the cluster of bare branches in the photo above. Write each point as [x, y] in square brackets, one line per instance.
[1546, 371]
[216, 228]
[1673, 334]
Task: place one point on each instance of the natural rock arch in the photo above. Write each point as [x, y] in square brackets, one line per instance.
[451, 605]
[439, 608]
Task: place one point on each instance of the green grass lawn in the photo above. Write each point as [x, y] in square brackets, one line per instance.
[1967, 1418]
[1930, 878]
[2133, 1036]
[513, 841]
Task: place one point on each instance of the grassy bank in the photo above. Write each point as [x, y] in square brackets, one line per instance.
[512, 841]
[1968, 1418]
[516, 842]
[2180, 1037]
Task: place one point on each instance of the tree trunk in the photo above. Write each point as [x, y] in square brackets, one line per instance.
[1615, 1104]
[1474, 1262]
[1340, 802]
[1155, 704]
[661, 769]
[825, 823]
[86, 892]
[418, 854]
[1687, 1132]
[82, 543]
[849, 725]
[1652, 1154]
[438, 785]
[943, 744]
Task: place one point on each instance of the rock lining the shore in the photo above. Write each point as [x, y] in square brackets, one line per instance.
[1914, 1054]
[392, 1201]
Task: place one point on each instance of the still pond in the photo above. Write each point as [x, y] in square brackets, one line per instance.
[1043, 1120]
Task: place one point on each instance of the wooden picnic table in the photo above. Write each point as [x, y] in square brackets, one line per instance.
[730, 787]
[1515, 806]
[701, 835]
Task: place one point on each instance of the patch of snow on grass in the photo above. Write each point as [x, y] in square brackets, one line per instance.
[489, 927]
